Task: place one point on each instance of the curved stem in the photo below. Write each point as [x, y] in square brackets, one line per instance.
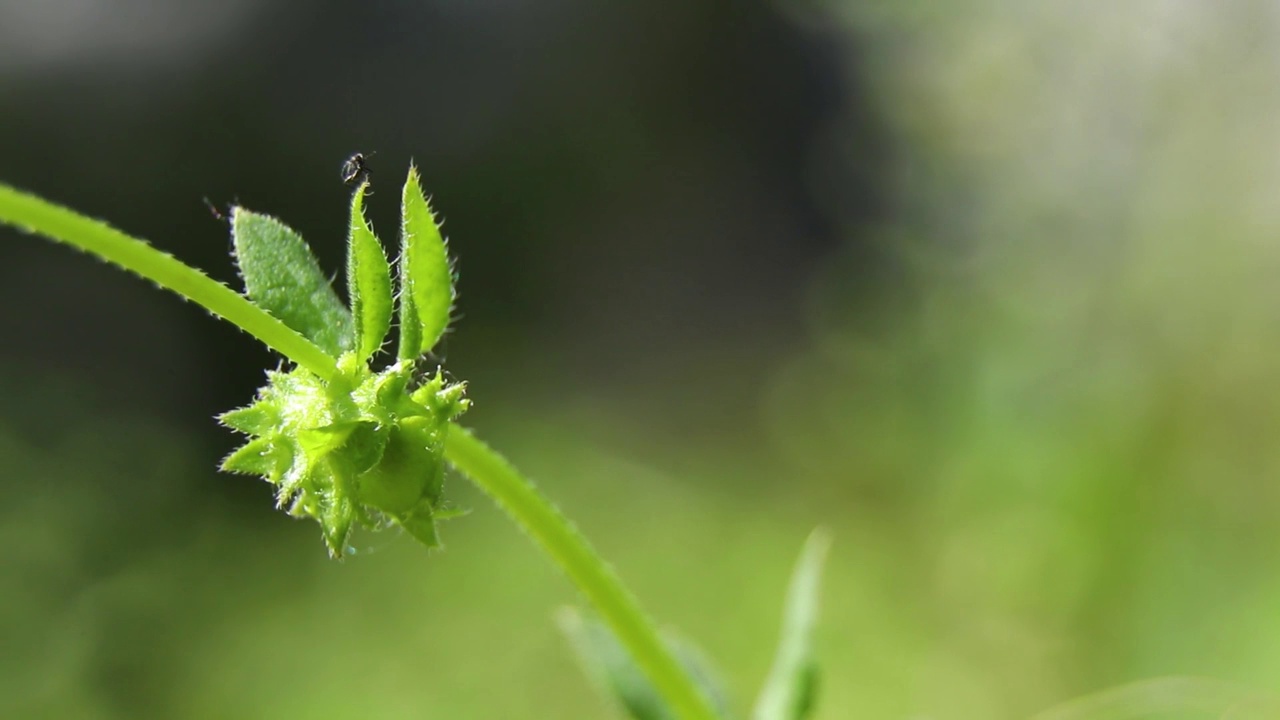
[488, 470]
[30, 213]
[571, 551]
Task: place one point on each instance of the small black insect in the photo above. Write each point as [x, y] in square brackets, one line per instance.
[219, 215]
[356, 169]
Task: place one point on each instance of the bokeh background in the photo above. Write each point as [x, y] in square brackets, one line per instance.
[988, 288]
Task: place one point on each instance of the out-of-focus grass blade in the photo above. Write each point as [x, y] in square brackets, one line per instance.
[1157, 697]
[790, 692]
[617, 676]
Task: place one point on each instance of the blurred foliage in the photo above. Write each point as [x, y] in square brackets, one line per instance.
[1036, 401]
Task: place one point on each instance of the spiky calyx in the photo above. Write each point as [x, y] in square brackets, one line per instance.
[363, 447]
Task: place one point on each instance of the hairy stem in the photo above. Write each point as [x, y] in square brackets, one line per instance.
[570, 550]
[494, 475]
[55, 222]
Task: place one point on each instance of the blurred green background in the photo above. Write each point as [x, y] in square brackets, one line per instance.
[986, 287]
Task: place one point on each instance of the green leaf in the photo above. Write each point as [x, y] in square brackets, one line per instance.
[368, 281]
[338, 511]
[255, 419]
[421, 526]
[426, 280]
[617, 675]
[790, 692]
[256, 457]
[282, 276]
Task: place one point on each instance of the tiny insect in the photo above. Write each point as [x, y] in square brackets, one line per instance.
[219, 215]
[356, 169]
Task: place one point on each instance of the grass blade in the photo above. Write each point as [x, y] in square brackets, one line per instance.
[790, 691]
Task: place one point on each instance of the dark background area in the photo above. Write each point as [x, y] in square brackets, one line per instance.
[615, 183]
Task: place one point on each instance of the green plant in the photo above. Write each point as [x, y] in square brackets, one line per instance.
[347, 442]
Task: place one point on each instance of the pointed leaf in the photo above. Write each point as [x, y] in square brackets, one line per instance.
[368, 281]
[338, 511]
[335, 523]
[282, 276]
[410, 328]
[421, 526]
[616, 674]
[255, 419]
[449, 511]
[256, 457]
[426, 280]
[790, 691]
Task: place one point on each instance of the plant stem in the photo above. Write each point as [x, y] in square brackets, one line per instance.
[64, 225]
[488, 470]
[593, 576]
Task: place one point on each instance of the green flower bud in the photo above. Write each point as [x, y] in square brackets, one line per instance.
[360, 448]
